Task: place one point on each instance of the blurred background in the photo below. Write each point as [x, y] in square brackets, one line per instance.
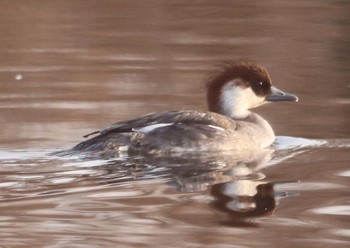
[70, 67]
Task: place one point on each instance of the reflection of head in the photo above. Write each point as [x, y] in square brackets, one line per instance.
[261, 204]
[265, 198]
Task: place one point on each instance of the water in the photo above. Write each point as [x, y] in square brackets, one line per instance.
[68, 68]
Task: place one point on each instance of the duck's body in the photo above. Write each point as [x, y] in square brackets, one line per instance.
[182, 131]
[228, 126]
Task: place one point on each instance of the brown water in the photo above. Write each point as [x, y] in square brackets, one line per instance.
[70, 67]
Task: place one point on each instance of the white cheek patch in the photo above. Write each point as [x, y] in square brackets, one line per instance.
[246, 98]
[236, 101]
[150, 128]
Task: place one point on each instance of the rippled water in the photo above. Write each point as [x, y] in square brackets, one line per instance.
[70, 67]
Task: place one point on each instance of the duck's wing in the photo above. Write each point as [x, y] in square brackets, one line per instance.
[156, 120]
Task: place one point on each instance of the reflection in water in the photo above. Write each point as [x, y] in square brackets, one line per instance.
[190, 172]
[242, 207]
[232, 179]
[133, 197]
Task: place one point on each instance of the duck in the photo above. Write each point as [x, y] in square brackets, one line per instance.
[229, 124]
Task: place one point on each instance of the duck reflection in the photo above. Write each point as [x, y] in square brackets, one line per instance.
[190, 172]
[200, 173]
[244, 200]
[237, 188]
[234, 181]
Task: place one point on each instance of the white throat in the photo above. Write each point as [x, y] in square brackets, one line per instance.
[236, 101]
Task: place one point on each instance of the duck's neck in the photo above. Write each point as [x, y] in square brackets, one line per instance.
[262, 129]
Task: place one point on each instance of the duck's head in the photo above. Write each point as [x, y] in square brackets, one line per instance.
[238, 87]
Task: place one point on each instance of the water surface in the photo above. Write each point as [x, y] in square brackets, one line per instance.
[71, 67]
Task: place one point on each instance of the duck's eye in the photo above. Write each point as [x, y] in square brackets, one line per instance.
[261, 83]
